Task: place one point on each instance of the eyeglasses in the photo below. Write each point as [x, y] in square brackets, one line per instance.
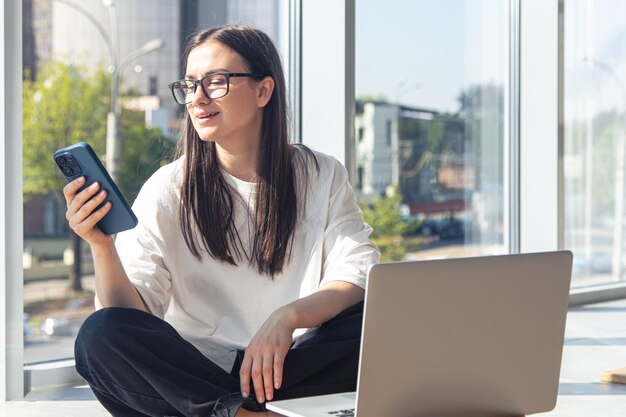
[214, 85]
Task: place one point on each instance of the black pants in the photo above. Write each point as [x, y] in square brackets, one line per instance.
[138, 365]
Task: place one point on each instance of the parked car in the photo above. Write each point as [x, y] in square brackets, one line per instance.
[447, 228]
[451, 228]
[427, 228]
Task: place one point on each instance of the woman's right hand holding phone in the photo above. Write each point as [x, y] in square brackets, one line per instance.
[113, 288]
[81, 211]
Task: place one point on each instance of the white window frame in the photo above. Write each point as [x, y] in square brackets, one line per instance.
[328, 50]
[11, 275]
[512, 127]
[295, 69]
[540, 138]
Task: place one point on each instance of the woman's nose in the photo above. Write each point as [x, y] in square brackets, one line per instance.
[198, 97]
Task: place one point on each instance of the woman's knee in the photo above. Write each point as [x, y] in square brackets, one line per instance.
[105, 328]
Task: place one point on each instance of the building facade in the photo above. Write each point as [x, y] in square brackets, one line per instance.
[439, 163]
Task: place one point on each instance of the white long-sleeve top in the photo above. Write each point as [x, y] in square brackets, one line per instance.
[219, 307]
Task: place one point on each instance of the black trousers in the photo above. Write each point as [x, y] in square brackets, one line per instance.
[138, 365]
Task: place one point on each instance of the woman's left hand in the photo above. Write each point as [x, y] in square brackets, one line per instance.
[265, 356]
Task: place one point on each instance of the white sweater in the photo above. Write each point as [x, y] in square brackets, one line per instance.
[219, 307]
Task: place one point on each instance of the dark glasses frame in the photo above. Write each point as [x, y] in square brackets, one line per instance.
[184, 84]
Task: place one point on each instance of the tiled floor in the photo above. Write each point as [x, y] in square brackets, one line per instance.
[595, 342]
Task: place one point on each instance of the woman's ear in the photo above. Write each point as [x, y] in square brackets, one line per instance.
[265, 88]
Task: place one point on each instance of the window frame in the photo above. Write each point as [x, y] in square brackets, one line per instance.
[11, 275]
[329, 22]
[540, 137]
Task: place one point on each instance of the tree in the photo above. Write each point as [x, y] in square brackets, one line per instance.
[60, 107]
[366, 98]
[63, 106]
[144, 150]
[385, 218]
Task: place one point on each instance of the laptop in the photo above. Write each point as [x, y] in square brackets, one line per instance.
[476, 336]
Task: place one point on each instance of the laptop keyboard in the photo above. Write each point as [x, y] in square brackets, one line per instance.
[342, 413]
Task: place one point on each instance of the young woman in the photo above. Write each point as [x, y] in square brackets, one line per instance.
[243, 243]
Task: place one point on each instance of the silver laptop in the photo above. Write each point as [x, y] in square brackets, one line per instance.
[469, 337]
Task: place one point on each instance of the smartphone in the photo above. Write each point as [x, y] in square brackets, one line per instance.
[80, 160]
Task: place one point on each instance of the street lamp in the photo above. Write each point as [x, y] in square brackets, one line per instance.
[117, 67]
[113, 117]
[402, 88]
[618, 243]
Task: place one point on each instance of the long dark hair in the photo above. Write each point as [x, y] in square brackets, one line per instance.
[207, 200]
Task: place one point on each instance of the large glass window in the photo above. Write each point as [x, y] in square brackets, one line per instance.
[431, 82]
[595, 135]
[68, 47]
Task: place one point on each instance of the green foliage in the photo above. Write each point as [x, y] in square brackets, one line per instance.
[368, 98]
[480, 101]
[60, 107]
[383, 215]
[63, 106]
[435, 134]
[391, 248]
[144, 150]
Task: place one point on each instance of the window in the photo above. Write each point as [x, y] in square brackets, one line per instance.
[443, 159]
[57, 297]
[431, 103]
[595, 135]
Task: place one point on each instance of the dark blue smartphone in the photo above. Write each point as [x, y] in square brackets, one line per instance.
[80, 160]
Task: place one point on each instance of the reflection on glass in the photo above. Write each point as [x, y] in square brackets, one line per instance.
[430, 123]
[594, 151]
[66, 100]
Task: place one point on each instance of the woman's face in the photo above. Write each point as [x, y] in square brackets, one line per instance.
[234, 119]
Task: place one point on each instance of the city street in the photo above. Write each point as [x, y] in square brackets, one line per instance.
[38, 346]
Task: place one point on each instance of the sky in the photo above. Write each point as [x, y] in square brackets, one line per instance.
[595, 56]
[423, 52]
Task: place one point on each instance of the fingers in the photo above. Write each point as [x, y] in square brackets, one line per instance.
[244, 375]
[279, 361]
[257, 379]
[264, 358]
[252, 368]
[266, 373]
[70, 189]
[82, 197]
[268, 376]
[81, 212]
[259, 370]
[83, 227]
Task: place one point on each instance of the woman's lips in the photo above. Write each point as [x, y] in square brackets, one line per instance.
[206, 117]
